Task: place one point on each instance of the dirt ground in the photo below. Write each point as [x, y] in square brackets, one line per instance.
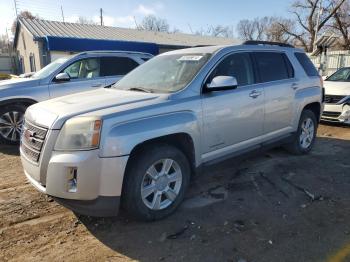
[271, 206]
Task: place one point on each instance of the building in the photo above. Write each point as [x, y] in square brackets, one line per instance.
[38, 42]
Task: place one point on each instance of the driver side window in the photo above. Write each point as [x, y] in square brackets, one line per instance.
[84, 69]
[236, 65]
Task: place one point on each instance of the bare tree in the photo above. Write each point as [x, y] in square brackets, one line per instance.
[4, 44]
[24, 14]
[216, 31]
[265, 28]
[252, 29]
[153, 23]
[341, 24]
[222, 31]
[311, 19]
[85, 21]
[246, 30]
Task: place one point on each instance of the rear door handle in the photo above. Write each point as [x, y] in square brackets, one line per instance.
[254, 94]
[97, 85]
[294, 86]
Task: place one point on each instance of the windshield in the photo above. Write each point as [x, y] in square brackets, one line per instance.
[47, 70]
[164, 74]
[342, 75]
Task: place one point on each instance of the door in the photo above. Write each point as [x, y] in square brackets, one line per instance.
[113, 68]
[277, 76]
[84, 76]
[233, 119]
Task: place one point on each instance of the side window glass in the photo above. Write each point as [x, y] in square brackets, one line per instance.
[117, 66]
[306, 63]
[73, 70]
[238, 66]
[84, 69]
[271, 66]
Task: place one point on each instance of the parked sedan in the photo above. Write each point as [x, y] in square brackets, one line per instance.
[82, 72]
[337, 97]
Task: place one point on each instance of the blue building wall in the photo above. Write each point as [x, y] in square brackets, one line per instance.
[70, 44]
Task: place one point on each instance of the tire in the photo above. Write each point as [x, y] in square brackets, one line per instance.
[299, 146]
[11, 120]
[139, 182]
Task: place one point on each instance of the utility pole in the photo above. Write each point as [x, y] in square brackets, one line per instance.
[101, 16]
[62, 14]
[16, 10]
[320, 11]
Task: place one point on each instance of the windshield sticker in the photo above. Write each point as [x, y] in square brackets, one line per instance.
[190, 58]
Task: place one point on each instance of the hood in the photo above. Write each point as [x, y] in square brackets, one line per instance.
[58, 110]
[18, 83]
[337, 88]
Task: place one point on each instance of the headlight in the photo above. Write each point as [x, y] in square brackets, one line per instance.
[80, 133]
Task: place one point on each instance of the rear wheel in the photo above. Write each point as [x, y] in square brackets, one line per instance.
[11, 120]
[156, 182]
[305, 137]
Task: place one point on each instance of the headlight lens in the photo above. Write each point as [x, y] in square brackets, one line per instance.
[79, 133]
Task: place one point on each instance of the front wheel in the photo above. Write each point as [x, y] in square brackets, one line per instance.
[156, 182]
[304, 138]
[11, 120]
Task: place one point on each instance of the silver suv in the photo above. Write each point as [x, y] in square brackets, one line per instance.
[138, 143]
[81, 72]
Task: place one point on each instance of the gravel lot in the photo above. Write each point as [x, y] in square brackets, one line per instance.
[271, 206]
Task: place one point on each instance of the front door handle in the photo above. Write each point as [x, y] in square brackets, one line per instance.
[96, 85]
[254, 94]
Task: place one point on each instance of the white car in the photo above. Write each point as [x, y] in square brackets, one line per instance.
[337, 97]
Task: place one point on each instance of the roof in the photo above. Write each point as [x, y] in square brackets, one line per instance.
[41, 28]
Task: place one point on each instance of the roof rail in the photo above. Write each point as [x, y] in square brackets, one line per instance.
[112, 52]
[253, 42]
[201, 45]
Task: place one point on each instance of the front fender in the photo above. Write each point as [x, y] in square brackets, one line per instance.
[120, 139]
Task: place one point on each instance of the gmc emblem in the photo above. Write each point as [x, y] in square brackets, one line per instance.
[28, 134]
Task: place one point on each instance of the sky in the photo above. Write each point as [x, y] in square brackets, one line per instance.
[187, 16]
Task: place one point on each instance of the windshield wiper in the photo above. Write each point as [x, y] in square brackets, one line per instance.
[140, 89]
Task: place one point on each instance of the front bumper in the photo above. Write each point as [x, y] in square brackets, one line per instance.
[336, 113]
[98, 180]
[100, 207]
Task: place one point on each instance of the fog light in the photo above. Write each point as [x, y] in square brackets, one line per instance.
[345, 116]
[72, 179]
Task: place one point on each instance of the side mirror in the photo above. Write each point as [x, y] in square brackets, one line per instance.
[62, 77]
[220, 83]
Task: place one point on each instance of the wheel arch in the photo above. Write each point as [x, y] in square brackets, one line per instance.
[23, 101]
[183, 141]
[315, 107]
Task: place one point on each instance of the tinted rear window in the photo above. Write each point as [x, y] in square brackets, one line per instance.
[306, 63]
[273, 66]
[114, 66]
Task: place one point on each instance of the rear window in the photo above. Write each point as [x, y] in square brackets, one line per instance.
[306, 63]
[115, 66]
[273, 66]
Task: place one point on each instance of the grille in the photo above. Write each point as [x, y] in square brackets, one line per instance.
[32, 141]
[331, 114]
[332, 99]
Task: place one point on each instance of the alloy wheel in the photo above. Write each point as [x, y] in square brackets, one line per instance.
[307, 133]
[161, 184]
[11, 125]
